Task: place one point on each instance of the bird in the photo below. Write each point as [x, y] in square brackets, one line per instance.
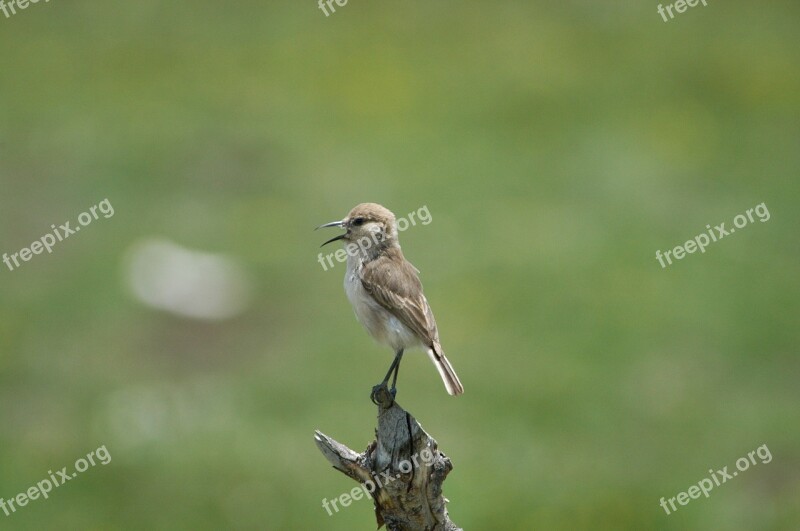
[386, 292]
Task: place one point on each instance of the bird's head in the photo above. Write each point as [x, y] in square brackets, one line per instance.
[368, 224]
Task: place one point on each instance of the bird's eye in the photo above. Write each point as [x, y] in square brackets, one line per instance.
[358, 222]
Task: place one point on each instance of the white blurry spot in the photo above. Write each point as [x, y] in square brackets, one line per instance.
[189, 283]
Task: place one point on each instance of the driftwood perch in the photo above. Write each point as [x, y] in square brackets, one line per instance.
[403, 470]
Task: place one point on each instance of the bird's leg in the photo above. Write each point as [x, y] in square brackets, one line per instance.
[393, 368]
[399, 358]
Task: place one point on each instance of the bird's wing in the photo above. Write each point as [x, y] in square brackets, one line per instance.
[393, 283]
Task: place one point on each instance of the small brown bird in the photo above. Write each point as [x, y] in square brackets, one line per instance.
[386, 292]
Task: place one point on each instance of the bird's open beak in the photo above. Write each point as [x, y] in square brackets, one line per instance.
[332, 224]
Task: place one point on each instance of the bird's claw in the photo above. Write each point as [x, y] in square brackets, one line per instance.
[375, 396]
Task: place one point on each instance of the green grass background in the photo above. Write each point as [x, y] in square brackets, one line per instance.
[557, 146]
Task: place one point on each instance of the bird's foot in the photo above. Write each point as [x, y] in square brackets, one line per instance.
[383, 396]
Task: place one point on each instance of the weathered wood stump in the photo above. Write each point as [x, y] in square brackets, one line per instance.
[402, 469]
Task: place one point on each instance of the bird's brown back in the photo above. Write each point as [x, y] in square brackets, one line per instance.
[394, 283]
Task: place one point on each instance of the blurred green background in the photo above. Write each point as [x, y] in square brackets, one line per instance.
[557, 146]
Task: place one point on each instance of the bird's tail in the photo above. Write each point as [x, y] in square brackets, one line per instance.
[449, 377]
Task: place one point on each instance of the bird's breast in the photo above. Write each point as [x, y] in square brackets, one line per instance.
[381, 324]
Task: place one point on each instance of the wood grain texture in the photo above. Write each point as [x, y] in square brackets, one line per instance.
[404, 467]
